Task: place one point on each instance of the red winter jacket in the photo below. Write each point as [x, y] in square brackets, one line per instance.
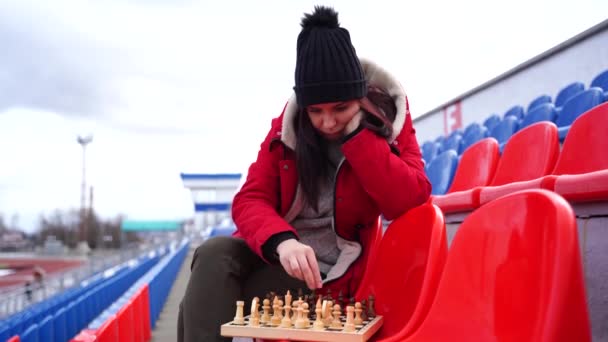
[378, 176]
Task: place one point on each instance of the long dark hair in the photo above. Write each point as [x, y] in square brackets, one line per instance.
[312, 159]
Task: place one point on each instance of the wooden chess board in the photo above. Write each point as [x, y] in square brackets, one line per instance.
[362, 332]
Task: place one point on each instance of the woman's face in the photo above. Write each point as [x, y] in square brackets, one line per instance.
[331, 118]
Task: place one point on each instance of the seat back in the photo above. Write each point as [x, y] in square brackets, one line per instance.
[491, 122]
[405, 274]
[372, 237]
[477, 165]
[513, 273]
[473, 134]
[538, 101]
[567, 92]
[578, 104]
[429, 150]
[441, 171]
[45, 330]
[529, 154]
[505, 129]
[586, 145]
[601, 81]
[542, 112]
[516, 111]
[453, 142]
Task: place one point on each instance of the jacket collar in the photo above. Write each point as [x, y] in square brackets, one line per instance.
[376, 76]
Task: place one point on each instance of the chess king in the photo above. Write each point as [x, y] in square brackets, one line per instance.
[342, 153]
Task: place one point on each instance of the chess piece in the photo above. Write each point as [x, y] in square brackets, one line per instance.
[329, 295]
[327, 317]
[364, 312]
[358, 311]
[266, 314]
[280, 309]
[371, 312]
[300, 322]
[254, 316]
[318, 324]
[276, 319]
[349, 325]
[239, 318]
[340, 298]
[305, 312]
[336, 323]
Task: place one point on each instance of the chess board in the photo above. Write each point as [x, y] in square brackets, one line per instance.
[362, 332]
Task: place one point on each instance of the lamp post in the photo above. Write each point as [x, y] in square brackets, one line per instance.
[83, 141]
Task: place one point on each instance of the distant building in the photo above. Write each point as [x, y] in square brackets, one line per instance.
[212, 196]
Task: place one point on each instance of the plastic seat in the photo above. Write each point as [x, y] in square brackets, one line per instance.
[567, 92]
[108, 331]
[504, 130]
[582, 167]
[491, 122]
[538, 101]
[30, 334]
[406, 272]
[476, 168]
[441, 171]
[45, 330]
[453, 142]
[600, 81]
[513, 273]
[542, 112]
[429, 150]
[530, 154]
[575, 106]
[474, 133]
[516, 111]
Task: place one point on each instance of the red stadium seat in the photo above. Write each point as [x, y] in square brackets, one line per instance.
[513, 273]
[145, 320]
[476, 168]
[529, 155]
[13, 339]
[108, 331]
[407, 269]
[125, 322]
[580, 171]
[583, 163]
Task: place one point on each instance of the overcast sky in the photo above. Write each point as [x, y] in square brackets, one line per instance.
[191, 86]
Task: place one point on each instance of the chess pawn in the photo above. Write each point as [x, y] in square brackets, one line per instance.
[371, 312]
[266, 314]
[349, 326]
[239, 318]
[254, 317]
[358, 311]
[336, 323]
[318, 324]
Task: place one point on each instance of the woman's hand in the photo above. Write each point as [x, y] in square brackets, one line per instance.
[299, 261]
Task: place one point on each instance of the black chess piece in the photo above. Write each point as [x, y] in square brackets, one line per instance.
[371, 313]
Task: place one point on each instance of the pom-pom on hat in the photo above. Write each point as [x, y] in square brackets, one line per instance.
[327, 66]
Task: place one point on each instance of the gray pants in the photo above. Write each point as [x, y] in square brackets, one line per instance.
[224, 270]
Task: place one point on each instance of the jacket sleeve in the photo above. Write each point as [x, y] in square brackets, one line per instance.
[255, 207]
[396, 181]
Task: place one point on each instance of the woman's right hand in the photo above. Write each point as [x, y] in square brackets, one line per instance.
[299, 261]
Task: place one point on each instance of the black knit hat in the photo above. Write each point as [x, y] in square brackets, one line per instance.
[327, 66]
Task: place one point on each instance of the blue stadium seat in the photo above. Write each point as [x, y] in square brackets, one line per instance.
[576, 106]
[45, 329]
[226, 231]
[5, 331]
[430, 149]
[516, 111]
[441, 171]
[453, 142]
[542, 112]
[567, 92]
[30, 334]
[504, 130]
[473, 134]
[538, 101]
[59, 325]
[601, 81]
[491, 122]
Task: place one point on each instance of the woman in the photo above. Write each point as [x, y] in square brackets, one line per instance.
[342, 153]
